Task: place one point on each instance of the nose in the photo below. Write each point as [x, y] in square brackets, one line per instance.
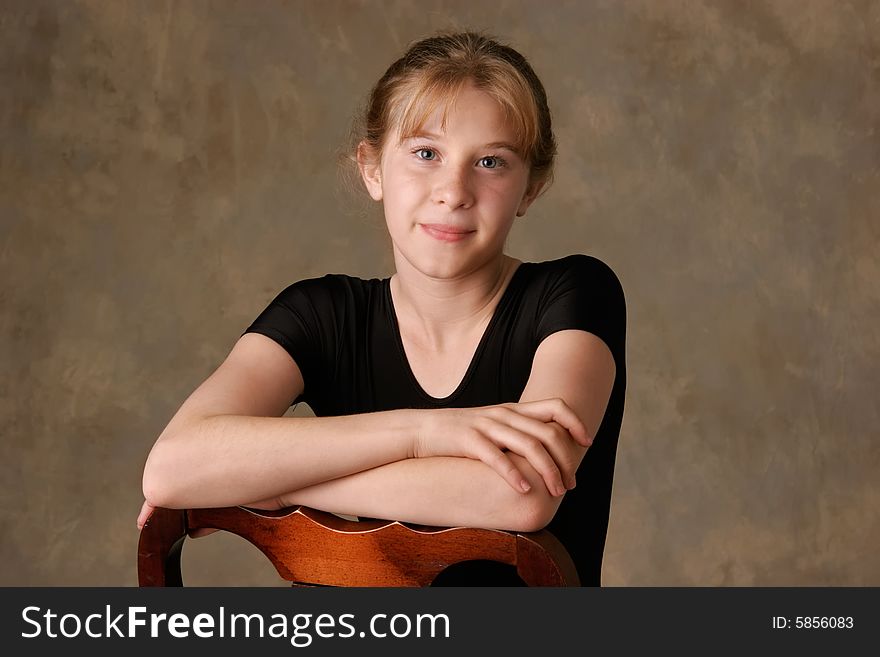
[452, 188]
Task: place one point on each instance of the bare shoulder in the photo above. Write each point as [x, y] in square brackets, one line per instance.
[257, 378]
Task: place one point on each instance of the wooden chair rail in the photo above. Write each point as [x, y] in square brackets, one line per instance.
[312, 547]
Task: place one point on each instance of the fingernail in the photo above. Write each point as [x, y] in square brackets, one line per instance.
[525, 486]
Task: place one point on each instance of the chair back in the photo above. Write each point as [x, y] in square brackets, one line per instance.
[314, 548]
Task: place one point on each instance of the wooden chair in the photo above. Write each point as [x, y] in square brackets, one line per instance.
[314, 548]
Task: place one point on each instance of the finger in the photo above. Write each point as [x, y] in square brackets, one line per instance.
[561, 413]
[565, 452]
[556, 410]
[555, 438]
[530, 448]
[485, 451]
[554, 435]
[144, 515]
[572, 453]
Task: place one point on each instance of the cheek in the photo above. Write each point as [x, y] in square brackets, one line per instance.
[505, 196]
[404, 188]
[401, 196]
[397, 181]
[400, 206]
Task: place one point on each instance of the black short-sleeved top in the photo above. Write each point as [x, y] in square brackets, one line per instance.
[343, 334]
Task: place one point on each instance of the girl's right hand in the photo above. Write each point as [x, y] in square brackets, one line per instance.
[145, 514]
[547, 433]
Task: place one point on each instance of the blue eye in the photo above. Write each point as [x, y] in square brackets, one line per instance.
[419, 152]
[494, 162]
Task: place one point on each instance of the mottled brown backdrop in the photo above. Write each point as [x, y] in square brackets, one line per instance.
[167, 167]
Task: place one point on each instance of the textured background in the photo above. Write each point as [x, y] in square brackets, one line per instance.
[167, 167]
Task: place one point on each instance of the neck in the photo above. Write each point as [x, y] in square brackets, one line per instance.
[440, 313]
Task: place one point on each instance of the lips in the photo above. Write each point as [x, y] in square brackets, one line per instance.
[446, 233]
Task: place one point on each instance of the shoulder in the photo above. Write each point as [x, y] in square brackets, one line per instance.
[314, 307]
[580, 267]
[580, 292]
[327, 290]
[307, 319]
[578, 276]
[326, 284]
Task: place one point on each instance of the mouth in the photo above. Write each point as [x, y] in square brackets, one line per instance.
[446, 233]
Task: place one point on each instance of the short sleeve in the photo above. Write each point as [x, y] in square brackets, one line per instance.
[584, 293]
[296, 319]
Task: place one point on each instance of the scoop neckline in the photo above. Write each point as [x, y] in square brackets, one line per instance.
[475, 359]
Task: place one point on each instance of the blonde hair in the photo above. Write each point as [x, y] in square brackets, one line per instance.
[433, 72]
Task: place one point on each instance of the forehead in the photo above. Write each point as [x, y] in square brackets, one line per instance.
[464, 110]
[471, 113]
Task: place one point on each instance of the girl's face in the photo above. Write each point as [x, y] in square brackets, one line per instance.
[450, 196]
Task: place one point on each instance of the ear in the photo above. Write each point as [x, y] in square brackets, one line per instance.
[371, 170]
[528, 198]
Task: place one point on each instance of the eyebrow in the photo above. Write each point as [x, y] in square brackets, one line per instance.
[495, 144]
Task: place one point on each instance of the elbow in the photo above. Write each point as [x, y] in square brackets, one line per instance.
[534, 510]
[158, 481]
[537, 511]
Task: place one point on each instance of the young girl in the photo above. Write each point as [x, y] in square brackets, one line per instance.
[464, 390]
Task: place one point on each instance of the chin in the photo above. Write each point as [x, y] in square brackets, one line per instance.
[439, 269]
[450, 268]
[446, 263]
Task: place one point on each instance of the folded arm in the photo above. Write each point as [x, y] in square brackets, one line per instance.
[443, 491]
[228, 444]
[363, 465]
[573, 365]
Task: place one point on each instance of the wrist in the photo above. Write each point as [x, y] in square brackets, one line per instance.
[424, 421]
